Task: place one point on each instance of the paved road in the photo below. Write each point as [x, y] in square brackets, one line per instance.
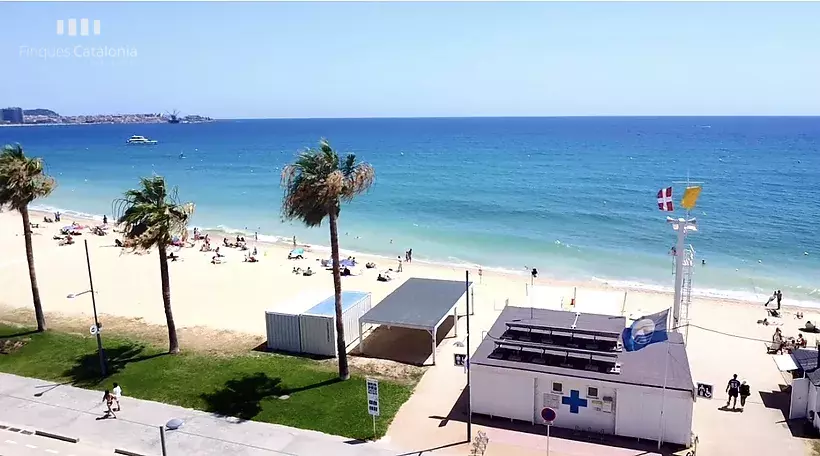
[33, 404]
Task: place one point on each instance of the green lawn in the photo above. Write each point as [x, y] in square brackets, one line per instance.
[245, 386]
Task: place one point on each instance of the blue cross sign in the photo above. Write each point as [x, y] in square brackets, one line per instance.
[574, 401]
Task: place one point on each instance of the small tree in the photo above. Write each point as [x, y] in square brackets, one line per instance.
[23, 180]
[150, 217]
[315, 186]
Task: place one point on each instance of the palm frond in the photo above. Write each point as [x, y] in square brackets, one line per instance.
[317, 182]
[22, 179]
[152, 215]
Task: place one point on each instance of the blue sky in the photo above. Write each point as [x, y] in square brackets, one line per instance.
[259, 60]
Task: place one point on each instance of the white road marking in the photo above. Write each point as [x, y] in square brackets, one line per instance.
[31, 446]
[52, 451]
[11, 442]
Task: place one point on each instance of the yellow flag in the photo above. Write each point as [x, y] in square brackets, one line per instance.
[690, 197]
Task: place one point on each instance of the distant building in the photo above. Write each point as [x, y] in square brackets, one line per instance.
[12, 115]
[574, 363]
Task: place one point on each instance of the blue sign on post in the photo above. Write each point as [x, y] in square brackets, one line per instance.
[548, 415]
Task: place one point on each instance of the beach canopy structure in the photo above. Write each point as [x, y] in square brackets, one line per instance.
[419, 303]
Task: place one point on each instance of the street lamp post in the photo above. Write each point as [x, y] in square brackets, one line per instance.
[100, 349]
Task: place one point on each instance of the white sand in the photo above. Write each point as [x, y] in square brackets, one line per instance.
[234, 296]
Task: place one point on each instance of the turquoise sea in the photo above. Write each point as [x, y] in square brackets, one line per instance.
[574, 197]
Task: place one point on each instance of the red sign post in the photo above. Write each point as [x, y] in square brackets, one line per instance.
[549, 416]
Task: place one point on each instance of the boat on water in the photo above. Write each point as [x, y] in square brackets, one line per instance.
[136, 139]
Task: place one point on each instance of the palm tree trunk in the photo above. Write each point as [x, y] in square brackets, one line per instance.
[173, 343]
[344, 373]
[32, 275]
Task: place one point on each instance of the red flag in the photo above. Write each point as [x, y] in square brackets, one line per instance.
[665, 199]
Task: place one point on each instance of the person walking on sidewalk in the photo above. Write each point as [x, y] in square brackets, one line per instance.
[744, 393]
[117, 393]
[108, 400]
[732, 388]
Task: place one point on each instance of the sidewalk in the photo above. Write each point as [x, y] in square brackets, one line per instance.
[73, 412]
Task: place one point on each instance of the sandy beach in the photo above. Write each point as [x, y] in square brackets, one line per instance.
[725, 337]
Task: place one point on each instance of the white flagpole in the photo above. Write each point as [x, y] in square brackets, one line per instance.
[663, 394]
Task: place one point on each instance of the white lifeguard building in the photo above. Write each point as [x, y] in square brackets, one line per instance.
[574, 363]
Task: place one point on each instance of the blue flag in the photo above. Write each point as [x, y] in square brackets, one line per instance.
[646, 331]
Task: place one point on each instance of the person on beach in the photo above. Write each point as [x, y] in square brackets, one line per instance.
[744, 393]
[534, 274]
[779, 296]
[410, 256]
[733, 388]
[294, 241]
[117, 393]
[108, 400]
[771, 298]
[400, 263]
[105, 220]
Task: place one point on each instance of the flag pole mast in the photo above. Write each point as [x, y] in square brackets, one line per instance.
[663, 396]
[683, 225]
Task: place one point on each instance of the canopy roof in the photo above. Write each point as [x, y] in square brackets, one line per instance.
[418, 304]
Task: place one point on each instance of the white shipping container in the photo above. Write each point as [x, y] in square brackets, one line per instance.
[283, 325]
[318, 328]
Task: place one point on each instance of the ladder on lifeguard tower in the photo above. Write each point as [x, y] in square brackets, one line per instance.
[686, 295]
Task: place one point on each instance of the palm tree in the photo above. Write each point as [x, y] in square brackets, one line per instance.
[315, 186]
[22, 180]
[150, 217]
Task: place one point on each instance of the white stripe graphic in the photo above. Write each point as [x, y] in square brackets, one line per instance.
[72, 27]
[84, 27]
[60, 26]
[96, 26]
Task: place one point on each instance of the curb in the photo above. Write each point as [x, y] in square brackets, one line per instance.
[56, 437]
[126, 452]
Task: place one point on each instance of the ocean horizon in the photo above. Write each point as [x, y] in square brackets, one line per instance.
[571, 196]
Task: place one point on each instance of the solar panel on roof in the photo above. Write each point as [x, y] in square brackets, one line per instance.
[559, 329]
[556, 348]
[588, 363]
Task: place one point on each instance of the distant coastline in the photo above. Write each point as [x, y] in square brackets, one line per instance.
[26, 117]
